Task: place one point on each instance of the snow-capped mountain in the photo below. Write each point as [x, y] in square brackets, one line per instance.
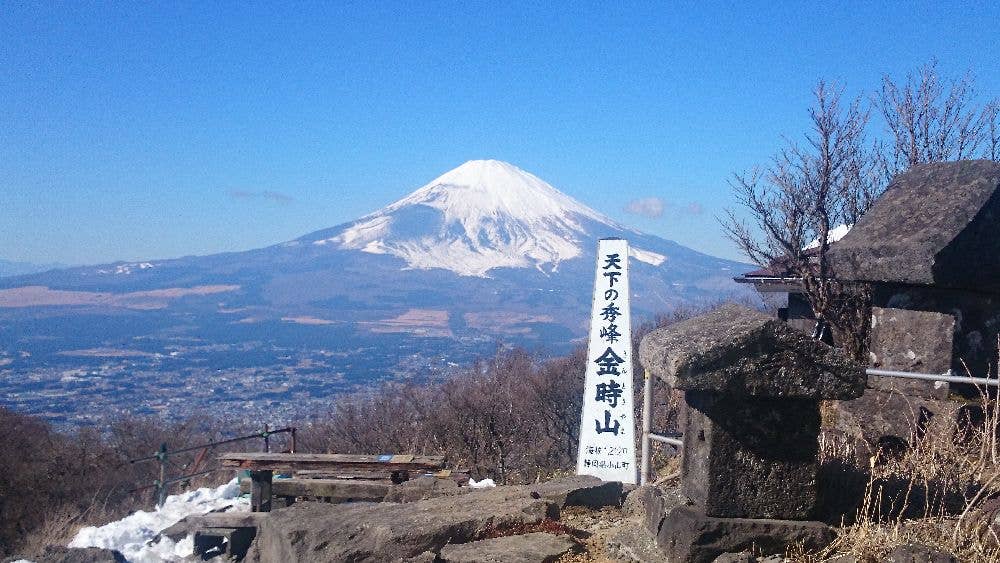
[483, 215]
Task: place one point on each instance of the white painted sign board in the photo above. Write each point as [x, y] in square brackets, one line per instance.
[607, 429]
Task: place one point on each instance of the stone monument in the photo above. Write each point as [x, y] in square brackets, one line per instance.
[752, 386]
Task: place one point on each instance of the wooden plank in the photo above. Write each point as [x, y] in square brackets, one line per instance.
[342, 490]
[293, 462]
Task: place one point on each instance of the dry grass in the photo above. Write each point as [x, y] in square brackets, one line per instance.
[943, 492]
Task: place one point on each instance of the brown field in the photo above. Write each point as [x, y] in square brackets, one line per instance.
[41, 296]
[419, 322]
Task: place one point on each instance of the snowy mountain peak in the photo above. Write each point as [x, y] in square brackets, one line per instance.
[492, 187]
[485, 214]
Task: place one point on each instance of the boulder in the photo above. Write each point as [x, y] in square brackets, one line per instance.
[689, 536]
[580, 490]
[742, 352]
[538, 547]
[317, 533]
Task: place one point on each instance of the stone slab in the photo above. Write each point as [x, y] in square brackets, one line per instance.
[321, 533]
[742, 352]
[689, 536]
[751, 457]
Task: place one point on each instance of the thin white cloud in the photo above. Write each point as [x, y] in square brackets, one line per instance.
[651, 207]
[655, 207]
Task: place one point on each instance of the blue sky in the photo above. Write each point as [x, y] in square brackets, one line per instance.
[133, 131]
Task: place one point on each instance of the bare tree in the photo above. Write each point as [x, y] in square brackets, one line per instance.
[829, 180]
[933, 120]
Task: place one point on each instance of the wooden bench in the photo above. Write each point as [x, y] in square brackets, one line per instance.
[263, 465]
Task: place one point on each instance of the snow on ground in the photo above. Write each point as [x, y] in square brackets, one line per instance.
[131, 534]
[483, 484]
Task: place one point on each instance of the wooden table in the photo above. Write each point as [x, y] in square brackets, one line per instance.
[263, 465]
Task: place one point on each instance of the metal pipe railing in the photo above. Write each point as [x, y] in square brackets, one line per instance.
[263, 434]
[647, 422]
[934, 377]
[647, 407]
[672, 440]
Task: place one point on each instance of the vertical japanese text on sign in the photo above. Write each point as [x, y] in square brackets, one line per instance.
[607, 425]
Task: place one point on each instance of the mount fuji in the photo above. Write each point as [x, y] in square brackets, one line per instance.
[481, 216]
[485, 253]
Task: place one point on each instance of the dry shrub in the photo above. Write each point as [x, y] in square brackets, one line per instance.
[943, 492]
[512, 417]
[53, 483]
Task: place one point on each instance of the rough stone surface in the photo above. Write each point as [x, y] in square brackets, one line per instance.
[934, 225]
[905, 340]
[913, 553]
[580, 490]
[751, 457]
[423, 488]
[538, 547]
[742, 557]
[315, 533]
[889, 415]
[689, 536]
[633, 544]
[650, 505]
[742, 352]
[425, 557]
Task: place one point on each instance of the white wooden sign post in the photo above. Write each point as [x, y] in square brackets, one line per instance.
[607, 428]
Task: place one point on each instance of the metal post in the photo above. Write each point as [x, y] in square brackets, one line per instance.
[161, 484]
[267, 441]
[647, 423]
[293, 440]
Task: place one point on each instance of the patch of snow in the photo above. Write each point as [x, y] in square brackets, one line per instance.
[485, 214]
[131, 535]
[126, 269]
[834, 235]
[484, 484]
[646, 256]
